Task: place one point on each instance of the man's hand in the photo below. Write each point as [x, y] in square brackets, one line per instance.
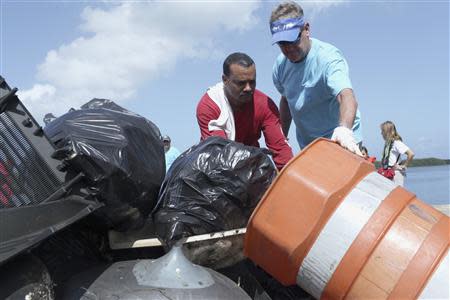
[344, 137]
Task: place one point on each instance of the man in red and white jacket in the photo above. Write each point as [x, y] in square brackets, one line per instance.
[236, 110]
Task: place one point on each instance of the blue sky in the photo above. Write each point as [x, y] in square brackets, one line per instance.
[158, 57]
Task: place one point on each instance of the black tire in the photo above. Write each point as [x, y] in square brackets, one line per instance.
[25, 277]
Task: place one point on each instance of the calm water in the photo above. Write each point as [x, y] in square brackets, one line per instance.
[430, 184]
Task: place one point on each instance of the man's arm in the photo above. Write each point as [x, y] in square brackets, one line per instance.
[338, 82]
[285, 113]
[207, 110]
[274, 137]
[347, 108]
[343, 134]
[285, 116]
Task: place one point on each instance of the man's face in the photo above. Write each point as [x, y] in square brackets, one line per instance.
[297, 50]
[240, 85]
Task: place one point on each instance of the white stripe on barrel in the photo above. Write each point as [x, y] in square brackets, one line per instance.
[340, 232]
[439, 285]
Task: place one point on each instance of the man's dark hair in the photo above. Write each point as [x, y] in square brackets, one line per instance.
[238, 58]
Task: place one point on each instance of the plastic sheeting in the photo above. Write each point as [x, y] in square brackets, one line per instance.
[213, 186]
[121, 155]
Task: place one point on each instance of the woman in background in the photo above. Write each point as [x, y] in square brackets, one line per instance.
[394, 148]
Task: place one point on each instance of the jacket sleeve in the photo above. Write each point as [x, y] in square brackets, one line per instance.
[274, 137]
[207, 110]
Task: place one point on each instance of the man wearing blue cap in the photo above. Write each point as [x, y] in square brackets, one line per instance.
[313, 80]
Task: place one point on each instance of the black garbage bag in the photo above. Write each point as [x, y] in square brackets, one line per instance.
[121, 155]
[213, 186]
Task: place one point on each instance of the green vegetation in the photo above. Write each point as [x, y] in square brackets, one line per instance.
[431, 161]
[422, 162]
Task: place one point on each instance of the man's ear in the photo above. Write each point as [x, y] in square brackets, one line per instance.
[224, 78]
[306, 28]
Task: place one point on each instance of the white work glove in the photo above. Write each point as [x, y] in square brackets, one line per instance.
[344, 137]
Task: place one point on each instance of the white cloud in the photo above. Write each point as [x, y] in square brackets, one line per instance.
[38, 91]
[312, 9]
[128, 44]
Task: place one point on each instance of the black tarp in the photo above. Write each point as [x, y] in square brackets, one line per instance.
[211, 187]
[119, 152]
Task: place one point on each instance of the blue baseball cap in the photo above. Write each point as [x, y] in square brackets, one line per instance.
[286, 29]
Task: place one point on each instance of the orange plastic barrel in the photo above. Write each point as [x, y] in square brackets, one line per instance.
[335, 227]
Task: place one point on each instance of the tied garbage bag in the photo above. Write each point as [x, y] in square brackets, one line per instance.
[121, 155]
[213, 186]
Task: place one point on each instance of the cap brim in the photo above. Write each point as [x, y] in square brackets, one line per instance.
[285, 36]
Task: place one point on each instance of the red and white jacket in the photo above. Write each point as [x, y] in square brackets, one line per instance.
[258, 116]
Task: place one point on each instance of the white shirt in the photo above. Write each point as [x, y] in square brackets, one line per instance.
[398, 148]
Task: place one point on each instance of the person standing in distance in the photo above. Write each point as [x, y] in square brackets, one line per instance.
[171, 153]
[394, 148]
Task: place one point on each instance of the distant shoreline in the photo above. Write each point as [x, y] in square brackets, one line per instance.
[424, 162]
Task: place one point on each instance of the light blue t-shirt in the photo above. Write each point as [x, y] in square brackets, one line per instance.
[311, 87]
[171, 155]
